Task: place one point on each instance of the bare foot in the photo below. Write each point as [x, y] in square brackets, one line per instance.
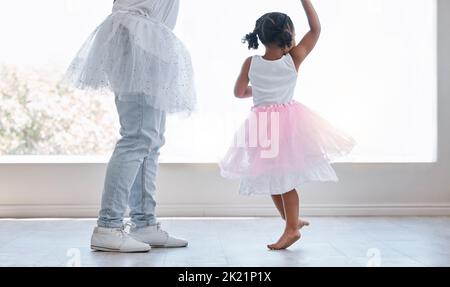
[286, 240]
[302, 223]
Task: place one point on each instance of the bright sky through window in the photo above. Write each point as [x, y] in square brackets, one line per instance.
[373, 73]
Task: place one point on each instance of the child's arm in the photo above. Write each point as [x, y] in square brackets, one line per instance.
[242, 89]
[309, 41]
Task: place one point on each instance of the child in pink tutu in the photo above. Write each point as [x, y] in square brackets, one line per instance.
[282, 144]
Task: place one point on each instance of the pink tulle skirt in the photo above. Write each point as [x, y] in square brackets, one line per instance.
[282, 146]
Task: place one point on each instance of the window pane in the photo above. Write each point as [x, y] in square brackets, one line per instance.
[373, 74]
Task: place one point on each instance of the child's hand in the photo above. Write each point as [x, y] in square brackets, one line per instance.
[242, 89]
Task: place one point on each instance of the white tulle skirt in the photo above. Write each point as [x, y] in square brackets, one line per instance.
[130, 55]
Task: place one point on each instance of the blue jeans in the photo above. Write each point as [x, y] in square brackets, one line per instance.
[131, 173]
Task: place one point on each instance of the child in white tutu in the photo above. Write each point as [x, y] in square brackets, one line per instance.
[282, 144]
[135, 54]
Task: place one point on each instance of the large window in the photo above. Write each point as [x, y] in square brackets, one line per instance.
[372, 74]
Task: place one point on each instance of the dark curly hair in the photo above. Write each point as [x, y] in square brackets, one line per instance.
[272, 28]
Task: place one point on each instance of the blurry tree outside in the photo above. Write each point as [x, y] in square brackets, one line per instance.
[40, 115]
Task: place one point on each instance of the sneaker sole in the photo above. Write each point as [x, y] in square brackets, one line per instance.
[163, 246]
[104, 249]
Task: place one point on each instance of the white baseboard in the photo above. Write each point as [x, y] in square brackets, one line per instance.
[86, 211]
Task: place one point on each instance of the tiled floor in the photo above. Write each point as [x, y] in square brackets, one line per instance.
[417, 241]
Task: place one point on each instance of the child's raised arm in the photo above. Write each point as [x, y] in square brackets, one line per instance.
[309, 41]
[242, 89]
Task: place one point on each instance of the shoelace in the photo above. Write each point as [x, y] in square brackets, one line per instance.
[159, 229]
[125, 229]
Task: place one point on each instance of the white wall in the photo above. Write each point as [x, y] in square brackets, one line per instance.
[65, 190]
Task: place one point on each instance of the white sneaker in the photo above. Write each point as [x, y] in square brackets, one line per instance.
[156, 237]
[116, 240]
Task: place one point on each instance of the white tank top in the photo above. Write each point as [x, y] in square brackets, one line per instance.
[273, 82]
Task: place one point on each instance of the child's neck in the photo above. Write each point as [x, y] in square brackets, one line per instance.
[273, 54]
